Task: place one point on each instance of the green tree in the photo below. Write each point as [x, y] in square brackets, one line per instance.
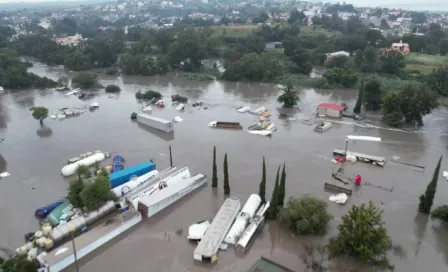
[74, 193]
[272, 211]
[262, 189]
[440, 213]
[63, 80]
[83, 171]
[85, 80]
[392, 63]
[40, 113]
[443, 46]
[362, 235]
[77, 61]
[296, 17]
[305, 216]
[372, 94]
[215, 169]
[412, 102]
[336, 61]
[282, 188]
[112, 89]
[96, 193]
[226, 176]
[358, 105]
[438, 80]
[19, 264]
[289, 97]
[190, 49]
[341, 77]
[163, 39]
[301, 62]
[427, 199]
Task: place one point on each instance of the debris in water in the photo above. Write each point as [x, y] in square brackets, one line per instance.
[4, 175]
[339, 198]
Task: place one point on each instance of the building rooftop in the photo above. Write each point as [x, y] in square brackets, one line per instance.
[266, 265]
[331, 106]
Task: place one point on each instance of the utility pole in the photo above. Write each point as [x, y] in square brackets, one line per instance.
[171, 158]
[72, 231]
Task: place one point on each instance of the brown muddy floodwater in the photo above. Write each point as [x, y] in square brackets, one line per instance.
[34, 157]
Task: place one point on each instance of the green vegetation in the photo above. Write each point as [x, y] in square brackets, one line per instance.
[272, 211]
[262, 189]
[148, 95]
[85, 80]
[289, 97]
[179, 98]
[344, 78]
[112, 89]
[362, 235]
[282, 188]
[96, 193]
[14, 75]
[441, 213]
[215, 170]
[410, 103]
[18, 264]
[199, 76]
[438, 80]
[74, 191]
[226, 176]
[305, 216]
[427, 199]
[40, 113]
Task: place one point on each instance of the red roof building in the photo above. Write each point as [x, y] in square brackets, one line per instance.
[330, 110]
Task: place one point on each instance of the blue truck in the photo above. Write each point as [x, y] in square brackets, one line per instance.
[120, 177]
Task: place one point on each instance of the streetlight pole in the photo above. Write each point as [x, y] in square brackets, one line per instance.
[341, 169]
[74, 249]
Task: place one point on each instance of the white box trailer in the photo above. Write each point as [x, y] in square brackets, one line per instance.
[155, 122]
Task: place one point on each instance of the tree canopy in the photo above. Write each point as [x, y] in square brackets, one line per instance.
[289, 97]
[40, 113]
[85, 80]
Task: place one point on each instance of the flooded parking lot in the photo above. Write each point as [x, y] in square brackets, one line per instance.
[35, 155]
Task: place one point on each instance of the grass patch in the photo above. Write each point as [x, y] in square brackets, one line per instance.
[233, 30]
[199, 76]
[424, 62]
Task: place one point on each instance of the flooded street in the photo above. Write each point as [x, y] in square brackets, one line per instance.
[34, 156]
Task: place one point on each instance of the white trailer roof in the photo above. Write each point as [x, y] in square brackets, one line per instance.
[158, 119]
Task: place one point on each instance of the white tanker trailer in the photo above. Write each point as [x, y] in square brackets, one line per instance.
[70, 169]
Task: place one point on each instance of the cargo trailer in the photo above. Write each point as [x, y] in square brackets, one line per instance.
[156, 122]
[125, 175]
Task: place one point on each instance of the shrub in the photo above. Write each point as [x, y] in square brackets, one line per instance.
[148, 95]
[111, 71]
[441, 213]
[341, 77]
[85, 80]
[179, 98]
[113, 89]
[305, 216]
[362, 235]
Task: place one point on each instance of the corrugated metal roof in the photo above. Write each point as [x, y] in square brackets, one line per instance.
[331, 106]
[160, 120]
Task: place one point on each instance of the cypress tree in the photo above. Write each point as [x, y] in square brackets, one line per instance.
[226, 176]
[262, 190]
[273, 207]
[215, 169]
[358, 105]
[427, 199]
[282, 188]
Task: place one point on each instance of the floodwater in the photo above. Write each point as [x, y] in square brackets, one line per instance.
[34, 156]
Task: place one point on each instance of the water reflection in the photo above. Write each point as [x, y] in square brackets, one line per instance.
[162, 135]
[441, 233]
[4, 115]
[44, 132]
[3, 164]
[420, 221]
[24, 99]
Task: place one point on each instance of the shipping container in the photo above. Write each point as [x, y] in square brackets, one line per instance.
[155, 122]
[55, 216]
[123, 176]
[167, 194]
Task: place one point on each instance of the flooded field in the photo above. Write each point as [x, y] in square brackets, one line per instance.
[34, 157]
